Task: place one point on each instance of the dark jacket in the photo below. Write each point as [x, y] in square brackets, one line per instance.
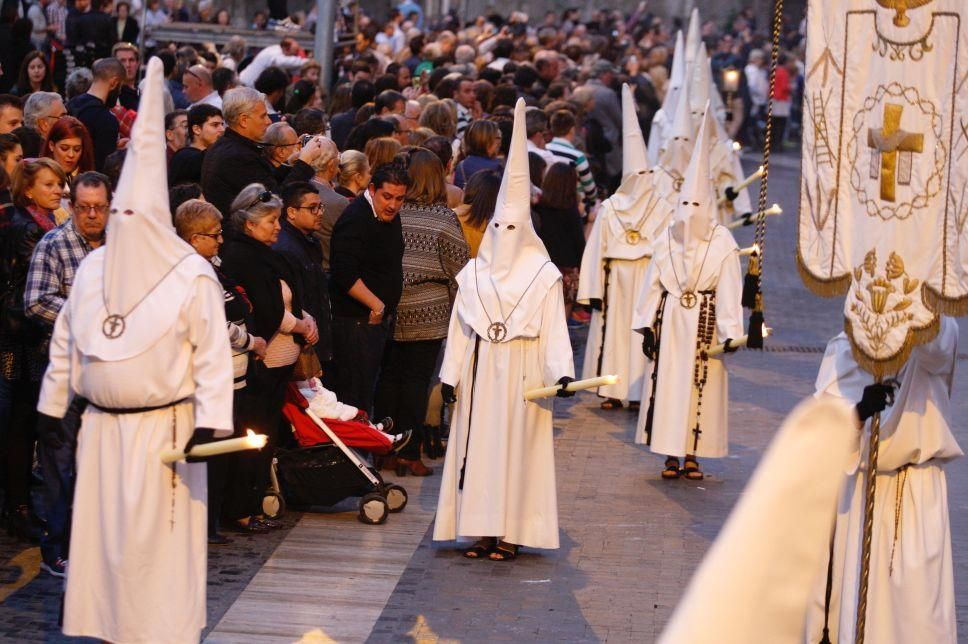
[233, 163]
[186, 166]
[340, 127]
[305, 258]
[102, 125]
[472, 165]
[257, 269]
[562, 234]
[130, 32]
[129, 98]
[367, 249]
[18, 333]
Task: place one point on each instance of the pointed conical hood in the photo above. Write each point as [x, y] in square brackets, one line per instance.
[676, 78]
[514, 197]
[694, 36]
[696, 213]
[634, 155]
[700, 82]
[141, 246]
[678, 147]
[512, 257]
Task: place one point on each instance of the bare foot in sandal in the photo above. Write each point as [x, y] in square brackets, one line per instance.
[671, 468]
[481, 548]
[690, 469]
[611, 403]
[504, 551]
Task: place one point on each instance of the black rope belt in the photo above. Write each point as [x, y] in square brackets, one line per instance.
[135, 410]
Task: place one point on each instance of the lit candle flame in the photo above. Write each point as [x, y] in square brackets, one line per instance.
[736, 146]
[258, 441]
[767, 331]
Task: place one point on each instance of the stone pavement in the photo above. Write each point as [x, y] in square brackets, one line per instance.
[630, 541]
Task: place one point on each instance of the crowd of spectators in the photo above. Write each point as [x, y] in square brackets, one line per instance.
[337, 217]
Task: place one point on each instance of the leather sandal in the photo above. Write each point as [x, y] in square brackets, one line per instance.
[504, 551]
[690, 469]
[671, 470]
[481, 548]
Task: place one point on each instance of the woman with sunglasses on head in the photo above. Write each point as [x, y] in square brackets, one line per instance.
[37, 189]
[278, 317]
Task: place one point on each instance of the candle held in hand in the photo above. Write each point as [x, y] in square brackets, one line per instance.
[250, 441]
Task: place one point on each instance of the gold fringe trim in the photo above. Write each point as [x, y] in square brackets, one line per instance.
[824, 287]
[953, 306]
[891, 365]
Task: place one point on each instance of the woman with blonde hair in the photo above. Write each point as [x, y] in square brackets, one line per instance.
[354, 174]
[381, 150]
[434, 252]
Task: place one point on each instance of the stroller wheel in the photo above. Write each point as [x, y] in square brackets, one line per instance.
[373, 509]
[273, 505]
[396, 497]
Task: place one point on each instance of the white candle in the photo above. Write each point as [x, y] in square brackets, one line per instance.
[741, 341]
[576, 385]
[747, 220]
[250, 441]
[744, 183]
[752, 250]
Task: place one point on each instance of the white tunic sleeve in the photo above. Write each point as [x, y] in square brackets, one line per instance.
[729, 299]
[591, 279]
[647, 300]
[55, 394]
[554, 344]
[459, 335]
[211, 357]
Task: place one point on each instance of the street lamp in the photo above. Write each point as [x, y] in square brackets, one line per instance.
[730, 86]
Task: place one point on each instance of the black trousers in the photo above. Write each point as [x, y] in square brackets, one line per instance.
[357, 354]
[408, 368]
[260, 410]
[19, 438]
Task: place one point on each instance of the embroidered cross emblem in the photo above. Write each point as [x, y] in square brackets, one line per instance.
[892, 150]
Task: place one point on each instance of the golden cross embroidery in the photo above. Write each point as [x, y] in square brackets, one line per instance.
[893, 147]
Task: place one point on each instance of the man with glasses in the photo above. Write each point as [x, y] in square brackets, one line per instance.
[302, 218]
[199, 88]
[49, 279]
[41, 111]
[281, 142]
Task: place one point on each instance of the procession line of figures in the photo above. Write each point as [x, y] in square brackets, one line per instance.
[661, 271]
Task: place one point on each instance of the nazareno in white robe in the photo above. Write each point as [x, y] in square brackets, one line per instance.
[509, 481]
[675, 396]
[911, 588]
[612, 270]
[138, 537]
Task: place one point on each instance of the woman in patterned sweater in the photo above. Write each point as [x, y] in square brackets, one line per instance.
[434, 252]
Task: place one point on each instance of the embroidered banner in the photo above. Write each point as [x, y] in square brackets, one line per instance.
[883, 201]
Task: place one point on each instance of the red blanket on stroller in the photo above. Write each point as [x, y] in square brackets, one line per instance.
[355, 433]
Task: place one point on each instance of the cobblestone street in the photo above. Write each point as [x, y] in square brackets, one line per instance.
[630, 541]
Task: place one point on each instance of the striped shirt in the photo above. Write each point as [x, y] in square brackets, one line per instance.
[463, 120]
[564, 149]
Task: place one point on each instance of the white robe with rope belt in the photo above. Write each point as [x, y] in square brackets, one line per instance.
[138, 537]
[509, 482]
[911, 588]
[676, 396]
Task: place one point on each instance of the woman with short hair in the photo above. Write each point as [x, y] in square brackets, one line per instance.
[434, 252]
[265, 276]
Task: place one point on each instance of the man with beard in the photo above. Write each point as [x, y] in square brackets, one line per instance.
[93, 109]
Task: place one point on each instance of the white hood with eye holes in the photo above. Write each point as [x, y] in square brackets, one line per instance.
[507, 280]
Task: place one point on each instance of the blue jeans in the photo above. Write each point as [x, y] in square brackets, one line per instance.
[58, 467]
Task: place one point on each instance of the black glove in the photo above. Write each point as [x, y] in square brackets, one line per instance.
[727, 346]
[731, 194]
[648, 344]
[596, 304]
[876, 398]
[51, 432]
[447, 393]
[200, 436]
[562, 392]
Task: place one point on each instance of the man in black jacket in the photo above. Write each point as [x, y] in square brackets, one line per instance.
[363, 92]
[366, 260]
[93, 108]
[302, 216]
[237, 160]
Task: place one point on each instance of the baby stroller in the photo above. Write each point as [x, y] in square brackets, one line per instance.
[325, 474]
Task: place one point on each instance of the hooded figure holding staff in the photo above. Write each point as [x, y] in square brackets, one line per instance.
[507, 335]
[614, 263]
[690, 301]
[142, 338]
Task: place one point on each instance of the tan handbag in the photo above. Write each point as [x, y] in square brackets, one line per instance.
[307, 365]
